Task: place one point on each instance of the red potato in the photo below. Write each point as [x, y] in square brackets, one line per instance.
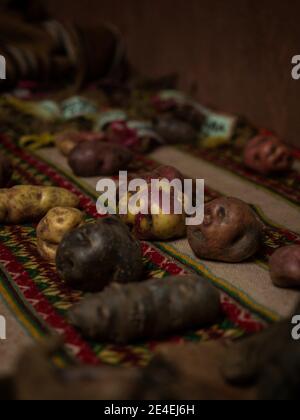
[267, 155]
[285, 267]
[67, 140]
[99, 159]
[230, 232]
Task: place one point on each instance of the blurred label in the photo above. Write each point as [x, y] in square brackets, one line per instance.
[109, 117]
[77, 107]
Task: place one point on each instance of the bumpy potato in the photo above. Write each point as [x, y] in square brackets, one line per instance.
[53, 227]
[28, 203]
[231, 232]
[93, 256]
[6, 171]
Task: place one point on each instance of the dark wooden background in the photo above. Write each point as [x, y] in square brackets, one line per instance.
[238, 52]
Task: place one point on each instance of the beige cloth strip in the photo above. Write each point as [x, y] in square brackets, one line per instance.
[277, 209]
[249, 278]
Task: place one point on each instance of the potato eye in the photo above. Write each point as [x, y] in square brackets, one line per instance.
[221, 212]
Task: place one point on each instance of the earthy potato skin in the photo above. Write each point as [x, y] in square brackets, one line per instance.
[27, 203]
[97, 254]
[161, 226]
[67, 140]
[53, 227]
[151, 309]
[285, 267]
[91, 159]
[231, 232]
[175, 131]
[268, 155]
[6, 171]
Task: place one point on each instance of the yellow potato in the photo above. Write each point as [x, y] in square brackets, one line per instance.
[28, 203]
[54, 226]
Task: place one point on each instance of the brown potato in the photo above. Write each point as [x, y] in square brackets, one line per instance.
[54, 226]
[231, 232]
[27, 203]
[285, 267]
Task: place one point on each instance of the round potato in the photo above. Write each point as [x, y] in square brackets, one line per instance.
[54, 226]
[98, 254]
[285, 267]
[91, 159]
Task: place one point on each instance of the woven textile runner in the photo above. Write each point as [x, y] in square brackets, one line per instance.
[229, 158]
[40, 300]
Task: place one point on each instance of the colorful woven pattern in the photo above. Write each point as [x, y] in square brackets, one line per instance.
[40, 300]
[229, 158]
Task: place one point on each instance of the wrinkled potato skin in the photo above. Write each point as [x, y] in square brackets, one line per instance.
[53, 227]
[28, 203]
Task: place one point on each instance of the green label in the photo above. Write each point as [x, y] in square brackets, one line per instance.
[218, 126]
[78, 107]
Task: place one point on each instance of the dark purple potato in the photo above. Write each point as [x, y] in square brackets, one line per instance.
[190, 115]
[97, 254]
[98, 158]
[174, 130]
[230, 232]
[6, 171]
[285, 267]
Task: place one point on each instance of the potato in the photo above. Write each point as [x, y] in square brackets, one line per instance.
[6, 171]
[160, 226]
[175, 131]
[54, 226]
[98, 158]
[285, 267]
[27, 203]
[67, 140]
[97, 254]
[231, 232]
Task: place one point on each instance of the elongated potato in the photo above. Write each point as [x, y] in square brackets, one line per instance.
[28, 203]
[151, 309]
[53, 227]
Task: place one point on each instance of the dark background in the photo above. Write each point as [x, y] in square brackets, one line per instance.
[237, 52]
